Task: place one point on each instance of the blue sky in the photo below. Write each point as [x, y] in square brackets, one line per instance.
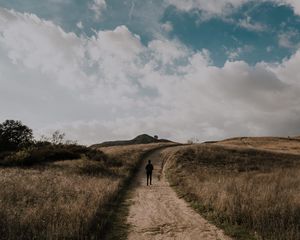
[109, 69]
[219, 34]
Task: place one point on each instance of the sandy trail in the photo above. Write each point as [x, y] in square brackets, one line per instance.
[156, 212]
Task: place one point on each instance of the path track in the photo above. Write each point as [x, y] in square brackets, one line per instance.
[156, 212]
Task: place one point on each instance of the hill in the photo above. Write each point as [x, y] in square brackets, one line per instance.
[141, 139]
[277, 144]
[249, 186]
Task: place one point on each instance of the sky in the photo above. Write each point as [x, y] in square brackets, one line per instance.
[109, 69]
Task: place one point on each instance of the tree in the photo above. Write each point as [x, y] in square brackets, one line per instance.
[14, 135]
[57, 137]
[192, 140]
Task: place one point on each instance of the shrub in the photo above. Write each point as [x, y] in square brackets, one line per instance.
[14, 135]
[34, 155]
[96, 155]
[46, 152]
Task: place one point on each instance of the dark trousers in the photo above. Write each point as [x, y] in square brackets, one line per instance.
[149, 177]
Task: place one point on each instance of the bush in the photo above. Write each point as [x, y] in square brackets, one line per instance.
[46, 152]
[51, 154]
[14, 135]
[96, 155]
[4, 154]
[30, 156]
[17, 158]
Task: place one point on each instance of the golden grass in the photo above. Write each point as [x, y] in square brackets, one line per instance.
[51, 203]
[65, 199]
[285, 145]
[130, 154]
[253, 189]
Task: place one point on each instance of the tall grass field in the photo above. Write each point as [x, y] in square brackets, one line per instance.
[250, 189]
[64, 199]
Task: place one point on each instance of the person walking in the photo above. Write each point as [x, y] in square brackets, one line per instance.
[149, 169]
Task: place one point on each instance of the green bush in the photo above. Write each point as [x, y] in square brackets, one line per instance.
[47, 152]
[34, 155]
[51, 154]
[14, 135]
[96, 155]
[17, 158]
[4, 155]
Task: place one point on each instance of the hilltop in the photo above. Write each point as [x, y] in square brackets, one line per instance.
[140, 139]
[277, 144]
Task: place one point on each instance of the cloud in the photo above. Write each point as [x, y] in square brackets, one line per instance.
[295, 4]
[165, 51]
[79, 25]
[269, 49]
[98, 6]
[224, 7]
[252, 26]
[285, 39]
[167, 27]
[235, 53]
[112, 86]
[215, 7]
[40, 45]
[288, 70]
[131, 11]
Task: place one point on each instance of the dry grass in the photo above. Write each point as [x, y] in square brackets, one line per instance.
[241, 189]
[284, 145]
[50, 203]
[69, 199]
[129, 155]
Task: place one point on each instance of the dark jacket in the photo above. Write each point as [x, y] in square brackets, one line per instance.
[149, 168]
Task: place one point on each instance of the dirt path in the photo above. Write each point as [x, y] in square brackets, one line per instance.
[156, 212]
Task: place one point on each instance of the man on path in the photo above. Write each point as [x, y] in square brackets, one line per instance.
[149, 169]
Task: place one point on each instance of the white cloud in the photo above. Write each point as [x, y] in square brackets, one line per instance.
[167, 26]
[269, 49]
[252, 26]
[224, 7]
[98, 6]
[111, 86]
[235, 53]
[79, 25]
[288, 70]
[285, 39]
[166, 51]
[295, 4]
[215, 7]
[40, 45]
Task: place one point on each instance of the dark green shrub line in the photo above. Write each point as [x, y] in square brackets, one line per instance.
[19, 148]
[44, 153]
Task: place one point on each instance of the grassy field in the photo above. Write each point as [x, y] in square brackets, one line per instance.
[284, 145]
[70, 199]
[245, 187]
